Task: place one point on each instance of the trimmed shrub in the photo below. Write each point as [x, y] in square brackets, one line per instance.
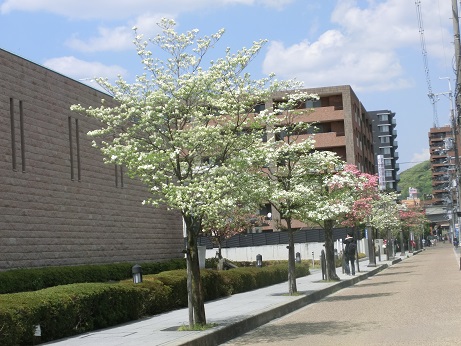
[68, 310]
[33, 279]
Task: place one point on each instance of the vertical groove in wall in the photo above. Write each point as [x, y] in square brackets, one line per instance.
[77, 141]
[116, 175]
[121, 176]
[71, 150]
[23, 141]
[13, 136]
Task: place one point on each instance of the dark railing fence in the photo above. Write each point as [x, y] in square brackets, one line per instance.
[274, 238]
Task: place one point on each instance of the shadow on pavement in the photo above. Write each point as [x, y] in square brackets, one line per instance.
[293, 331]
[359, 296]
[393, 273]
[375, 284]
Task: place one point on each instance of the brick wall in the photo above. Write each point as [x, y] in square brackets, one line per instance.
[59, 204]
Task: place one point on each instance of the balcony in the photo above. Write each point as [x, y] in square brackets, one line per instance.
[330, 140]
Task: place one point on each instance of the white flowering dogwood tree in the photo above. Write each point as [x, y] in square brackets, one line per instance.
[187, 128]
[289, 143]
[384, 214]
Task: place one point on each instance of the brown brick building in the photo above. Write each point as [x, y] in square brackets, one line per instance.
[444, 149]
[343, 126]
[59, 204]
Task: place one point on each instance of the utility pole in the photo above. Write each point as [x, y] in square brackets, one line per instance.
[457, 109]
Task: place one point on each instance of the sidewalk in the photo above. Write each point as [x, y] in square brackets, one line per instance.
[233, 315]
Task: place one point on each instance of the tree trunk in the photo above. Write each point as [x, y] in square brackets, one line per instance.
[291, 260]
[330, 251]
[195, 294]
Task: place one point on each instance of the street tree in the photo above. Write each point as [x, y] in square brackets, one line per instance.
[412, 219]
[186, 127]
[366, 191]
[230, 222]
[332, 189]
[384, 214]
[289, 143]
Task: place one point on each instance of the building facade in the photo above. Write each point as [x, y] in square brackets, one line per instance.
[342, 126]
[385, 146]
[60, 204]
[443, 150]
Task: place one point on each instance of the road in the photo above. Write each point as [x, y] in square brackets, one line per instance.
[414, 302]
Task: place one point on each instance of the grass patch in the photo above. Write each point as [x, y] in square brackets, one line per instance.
[197, 327]
[292, 295]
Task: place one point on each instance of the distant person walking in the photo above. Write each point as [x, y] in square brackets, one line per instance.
[349, 254]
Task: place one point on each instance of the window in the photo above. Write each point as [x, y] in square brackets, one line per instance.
[384, 140]
[387, 162]
[384, 117]
[259, 107]
[313, 104]
[384, 128]
[388, 173]
[386, 151]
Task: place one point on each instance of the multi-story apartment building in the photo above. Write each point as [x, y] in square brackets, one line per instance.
[343, 126]
[59, 203]
[385, 144]
[443, 150]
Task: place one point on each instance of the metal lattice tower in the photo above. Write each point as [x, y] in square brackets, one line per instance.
[433, 98]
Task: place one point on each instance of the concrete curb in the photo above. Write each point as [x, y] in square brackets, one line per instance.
[397, 260]
[222, 334]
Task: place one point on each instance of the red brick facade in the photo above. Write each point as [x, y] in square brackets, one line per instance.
[59, 204]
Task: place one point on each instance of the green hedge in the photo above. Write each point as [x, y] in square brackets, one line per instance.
[33, 279]
[68, 310]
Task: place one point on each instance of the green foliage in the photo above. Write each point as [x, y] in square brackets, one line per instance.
[68, 310]
[419, 177]
[33, 279]
[177, 280]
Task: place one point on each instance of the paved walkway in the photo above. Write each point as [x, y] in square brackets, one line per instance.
[233, 315]
[415, 302]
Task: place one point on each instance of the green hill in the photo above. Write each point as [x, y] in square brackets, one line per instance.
[419, 177]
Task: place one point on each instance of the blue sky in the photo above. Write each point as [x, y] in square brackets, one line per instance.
[372, 45]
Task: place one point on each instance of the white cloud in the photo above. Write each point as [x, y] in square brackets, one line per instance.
[419, 157]
[365, 50]
[423, 155]
[83, 70]
[118, 38]
[109, 39]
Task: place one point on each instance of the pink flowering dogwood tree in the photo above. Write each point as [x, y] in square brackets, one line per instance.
[332, 192]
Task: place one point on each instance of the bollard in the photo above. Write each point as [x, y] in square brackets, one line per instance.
[313, 260]
[379, 253]
[259, 260]
[136, 271]
[323, 264]
[298, 257]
